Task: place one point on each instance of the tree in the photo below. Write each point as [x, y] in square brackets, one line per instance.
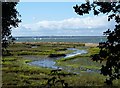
[109, 50]
[9, 20]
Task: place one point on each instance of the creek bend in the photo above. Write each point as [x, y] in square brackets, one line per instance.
[49, 62]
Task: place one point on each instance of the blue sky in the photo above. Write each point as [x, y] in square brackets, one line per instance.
[58, 19]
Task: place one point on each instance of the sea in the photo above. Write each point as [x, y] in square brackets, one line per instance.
[81, 39]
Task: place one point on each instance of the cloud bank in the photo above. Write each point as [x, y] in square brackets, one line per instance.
[73, 26]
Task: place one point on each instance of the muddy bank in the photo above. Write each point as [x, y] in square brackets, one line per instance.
[91, 44]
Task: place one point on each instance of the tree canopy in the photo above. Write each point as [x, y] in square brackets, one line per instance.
[109, 50]
[9, 19]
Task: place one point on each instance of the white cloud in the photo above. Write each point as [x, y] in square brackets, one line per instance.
[71, 26]
[74, 23]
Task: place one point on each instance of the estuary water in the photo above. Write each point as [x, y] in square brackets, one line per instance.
[82, 39]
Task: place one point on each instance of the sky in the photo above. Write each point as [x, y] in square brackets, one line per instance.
[58, 19]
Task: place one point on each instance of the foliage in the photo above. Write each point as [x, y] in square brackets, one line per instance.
[56, 79]
[9, 20]
[109, 50]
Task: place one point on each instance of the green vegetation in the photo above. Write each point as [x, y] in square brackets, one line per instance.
[41, 48]
[10, 19]
[110, 49]
[17, 72]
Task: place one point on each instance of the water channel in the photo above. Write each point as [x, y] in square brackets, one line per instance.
[48, 62]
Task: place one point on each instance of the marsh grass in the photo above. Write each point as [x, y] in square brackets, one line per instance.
[17, 72]
[42, 49]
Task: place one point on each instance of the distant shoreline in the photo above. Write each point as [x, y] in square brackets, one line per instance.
[69, 39]
[86, 44]
[52, 36]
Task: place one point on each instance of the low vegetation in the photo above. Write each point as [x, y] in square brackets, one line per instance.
[17, 71]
